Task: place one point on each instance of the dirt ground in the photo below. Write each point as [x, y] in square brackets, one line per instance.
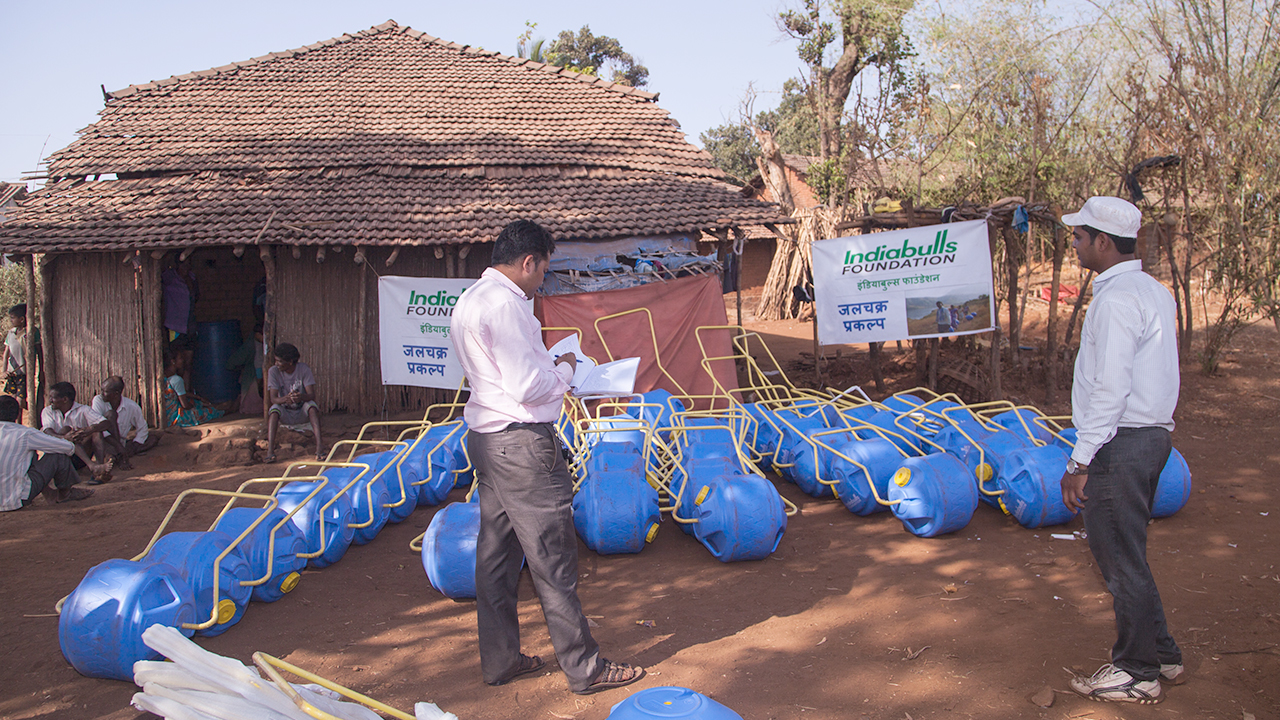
[852, 617]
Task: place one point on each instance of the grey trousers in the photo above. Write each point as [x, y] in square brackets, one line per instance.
[1121, 489]
[526, 512]
[53, 468]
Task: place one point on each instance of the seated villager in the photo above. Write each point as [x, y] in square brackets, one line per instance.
[183, 408]
[78, 423]
[126, 433]
[291, 392]
[13, 355]
[23, 476]
[248, 360]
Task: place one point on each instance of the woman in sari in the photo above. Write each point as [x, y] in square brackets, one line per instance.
[183, 408]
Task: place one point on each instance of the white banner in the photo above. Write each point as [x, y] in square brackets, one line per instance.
[413, 324]
[920, 282]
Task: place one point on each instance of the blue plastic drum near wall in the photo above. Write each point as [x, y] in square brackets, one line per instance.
[195, 554]
[100, 628]
[671, 702]
[449, 550]
[933, 495]
[216, 342]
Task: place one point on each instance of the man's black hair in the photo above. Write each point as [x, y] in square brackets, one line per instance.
[1124, 245]
[18, 310]
[115, 383]
[287, 352]
[521, 238]
[9, 408]
[64, 389]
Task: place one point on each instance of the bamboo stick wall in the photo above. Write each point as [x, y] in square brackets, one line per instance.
[95, 317]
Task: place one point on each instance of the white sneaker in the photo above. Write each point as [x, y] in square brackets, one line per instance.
[1174, 674]
[1111, 684]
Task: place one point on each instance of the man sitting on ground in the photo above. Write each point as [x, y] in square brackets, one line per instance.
[23, 476]
[70, 420]
[291, 392]
[124, 418]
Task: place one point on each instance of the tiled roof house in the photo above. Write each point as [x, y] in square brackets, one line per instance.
[412, 149]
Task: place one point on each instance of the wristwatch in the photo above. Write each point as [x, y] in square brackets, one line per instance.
[1075, 468]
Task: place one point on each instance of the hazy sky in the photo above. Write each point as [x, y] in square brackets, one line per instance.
[701, 54]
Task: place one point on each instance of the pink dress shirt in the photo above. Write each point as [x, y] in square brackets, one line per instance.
[499, 344]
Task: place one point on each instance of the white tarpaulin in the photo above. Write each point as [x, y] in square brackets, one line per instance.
[920, 282]
[413, 326]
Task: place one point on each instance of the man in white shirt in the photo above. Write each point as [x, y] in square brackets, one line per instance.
[123, 417]
[23, 476]
[70, 420]
[526, 493]
[1122, 401]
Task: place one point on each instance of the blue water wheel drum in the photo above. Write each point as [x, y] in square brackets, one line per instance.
[797, 456]
[879, 456]
[359, 494]
[457, 442]
[194, 554]
[740, 517]
[399, 481]
[766, 437]
[701, 471]
[1013, 421]
[1174, 488]
[616, 510]
[337, 519]
[902, 403]
[671, 702]
[1031, 479]
[1068, 434]
[100, 629]
[936, 492]
[984, 456]
[436, 466]
[286, 566]
[449, 550]
[895, 434]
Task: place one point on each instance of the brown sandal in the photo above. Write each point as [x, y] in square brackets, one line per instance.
[613, 675]
[528, 664]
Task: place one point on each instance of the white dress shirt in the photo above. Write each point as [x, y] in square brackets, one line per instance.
[499, 344]
[129, 417]
[18, 445]
[1127, 369]
[78, 417]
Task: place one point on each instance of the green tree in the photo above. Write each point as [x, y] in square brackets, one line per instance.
[792, 123]
[598, 55]
[527, 47]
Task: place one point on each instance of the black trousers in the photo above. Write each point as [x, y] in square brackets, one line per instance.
[526, 513]
[53, 468]
[1121, 488]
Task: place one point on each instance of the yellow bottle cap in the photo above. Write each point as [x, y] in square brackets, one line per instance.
[290, 582]
[984, 472]
[902, 477]
[226, 610]
[653, 533]
[702, 494]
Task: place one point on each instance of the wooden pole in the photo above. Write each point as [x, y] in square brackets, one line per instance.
[993, 369]
[268, 315]
[362, 336]
[817, 353]
[877, 372]
[739, 249]
[29, 346]
[48, 333]
[1051, 332]
[934, 344]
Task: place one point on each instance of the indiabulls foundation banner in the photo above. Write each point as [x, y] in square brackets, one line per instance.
[920, 282]
[413, 327]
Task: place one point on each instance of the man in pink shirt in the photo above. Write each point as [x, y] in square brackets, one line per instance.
[526, 493]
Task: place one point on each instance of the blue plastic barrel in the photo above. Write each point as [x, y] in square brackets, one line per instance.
[1174, 488]
[100, 629]
[399, 480]
[937, 494]
[983, 452]
[1031, 479]
[1069, 434]
[286, 566]
[615, 510]
[337, 519]
[902, 403]
[194, 554]
[700, 472]
[369, 496]
[433, 462]
[852, 487]
[216, 342]
[894, 433]
[765, 440]
[671, 702]
[449, 550]
[740, 517]
[1022, 422]
[799, 458]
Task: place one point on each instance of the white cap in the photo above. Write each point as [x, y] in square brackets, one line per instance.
[1111, 215]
